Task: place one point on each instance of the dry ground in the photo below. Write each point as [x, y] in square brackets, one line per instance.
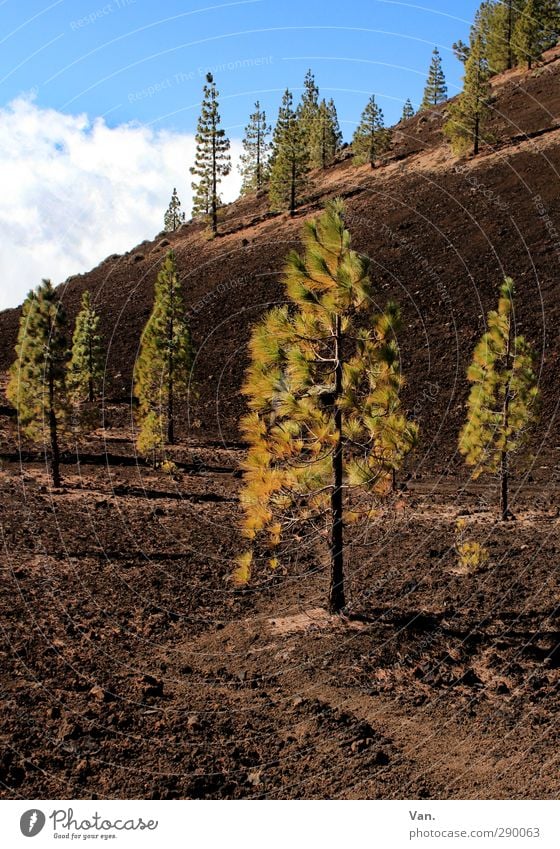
[132, 667]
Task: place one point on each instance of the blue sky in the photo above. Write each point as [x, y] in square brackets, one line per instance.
[99, 101]
[109, 58]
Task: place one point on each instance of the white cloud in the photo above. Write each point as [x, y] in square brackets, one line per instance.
[75, 191]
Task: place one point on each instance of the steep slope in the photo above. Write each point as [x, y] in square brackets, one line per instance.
[441, 233]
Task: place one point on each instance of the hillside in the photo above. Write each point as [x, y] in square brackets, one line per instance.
[134, 668]
[441, 235]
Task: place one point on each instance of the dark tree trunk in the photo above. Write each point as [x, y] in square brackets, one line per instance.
[336, 591]
[55, 454]
[476, 133]
[504, 464]
[504, 476]
[258, 172]
[293, 188]
[214, 185]
[90, 380]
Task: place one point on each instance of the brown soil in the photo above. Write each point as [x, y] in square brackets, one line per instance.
[133, 668]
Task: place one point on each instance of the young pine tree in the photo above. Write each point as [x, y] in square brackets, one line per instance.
[86, 363]
[174, 217]
[290, 162]
[253, 165]
[435, 90]
[212, 161]
[325, 428]
[408, 110]
[163, 367]
[502, 400]
[37, 383]
[371, 138]
[469, 113]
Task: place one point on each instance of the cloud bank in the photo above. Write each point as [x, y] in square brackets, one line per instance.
[76, 190]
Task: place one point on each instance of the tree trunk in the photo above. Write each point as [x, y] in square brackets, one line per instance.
[90, 363]
[258, 172]
[476, 133]
[55, 454]
[336, 591]
[504, 465]
[510, 34]
[504, 475]
[214, 185]
[293, 188]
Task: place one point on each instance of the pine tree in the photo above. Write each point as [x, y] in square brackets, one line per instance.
[290, 162]
[501, 20]
[371, 138]
[325, 428]
[526, 40]
[549, 16]
[469, 113]
[435, 90]
[408, 110]
[254, 160]
[86, 363]
[323, 143]
[335, 124]
[308, 107]
[173, 218]
[163, 367]
[537, 29]
[461, 51]
[37, 383]
[212, 161]
[503, 397]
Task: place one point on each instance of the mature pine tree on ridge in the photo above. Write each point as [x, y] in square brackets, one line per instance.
[371, 138]
[435, 91]
[173, 217]
[468, 114]
[408, 110]
[254, 161]
[212, 161]
[289, 161]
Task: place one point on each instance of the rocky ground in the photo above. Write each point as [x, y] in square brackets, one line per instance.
[132, 667]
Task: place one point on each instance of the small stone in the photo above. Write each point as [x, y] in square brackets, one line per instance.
[254, 778]
[98, 693]
[381, 757]
[154, 688]
[297, 701]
